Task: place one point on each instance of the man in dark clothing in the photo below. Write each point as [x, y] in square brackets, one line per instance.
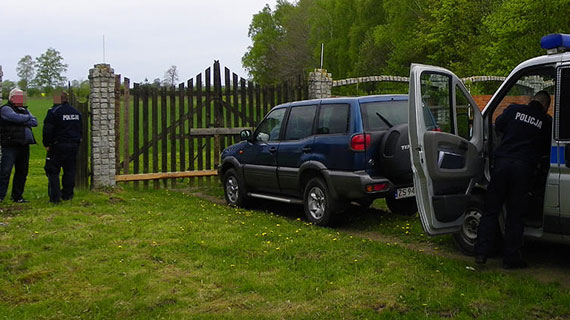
[526, 139]
[61, 137]
[16, 135]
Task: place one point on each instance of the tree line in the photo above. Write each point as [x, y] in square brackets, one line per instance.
[372, 37]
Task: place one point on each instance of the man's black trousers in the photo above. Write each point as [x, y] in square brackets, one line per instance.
[511, 180]
[61, 156]
[14, 157]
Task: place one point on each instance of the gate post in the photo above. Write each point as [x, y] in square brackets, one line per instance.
[102, 98]
[320, 84]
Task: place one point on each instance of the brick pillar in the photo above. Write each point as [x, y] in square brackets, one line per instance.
[102, 98]
[320, 84]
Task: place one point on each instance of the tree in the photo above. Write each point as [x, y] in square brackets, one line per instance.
[171, 76]
[7, 86]
[50, 69]
[26, 71]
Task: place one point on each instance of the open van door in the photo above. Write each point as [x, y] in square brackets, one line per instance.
[447, 163]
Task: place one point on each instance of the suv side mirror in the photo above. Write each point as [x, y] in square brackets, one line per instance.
[246, 135]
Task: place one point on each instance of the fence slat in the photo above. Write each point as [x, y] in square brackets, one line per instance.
[173, 133]
[154, 144]
[136, 131]
[190, 124]
[117, 126]
[208, 93]
[126, 127]
[145, 125]
[182, 130]
[163, 133]
[200, 106]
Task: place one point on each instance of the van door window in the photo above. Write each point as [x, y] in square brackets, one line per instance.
[464, 116]
[436, 97]
[523, 88]
[300, 123]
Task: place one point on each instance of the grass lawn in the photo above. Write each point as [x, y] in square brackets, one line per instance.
[151, 254]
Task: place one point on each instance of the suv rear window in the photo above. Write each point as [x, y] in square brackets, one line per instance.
[383, 115]
[386, 114]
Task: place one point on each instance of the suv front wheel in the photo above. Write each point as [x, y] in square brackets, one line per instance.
[234, 192]
[319, 205]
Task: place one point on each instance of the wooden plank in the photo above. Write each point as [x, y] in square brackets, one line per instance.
[217, 97]
[117, 124]
[182, 130]
[156, 184]
[208, 82]
[236, 102]
[126, 106]
[190, 124]
[172, 133]
[200, 106]
[164, 132]
[217, 149]
[146, 132]
[136, 132]
[165, 175]
[231, 106]
[258, 104]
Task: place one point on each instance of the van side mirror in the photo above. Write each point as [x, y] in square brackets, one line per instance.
[246, 135]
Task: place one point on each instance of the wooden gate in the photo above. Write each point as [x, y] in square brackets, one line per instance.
[179, 132]
[82, 173]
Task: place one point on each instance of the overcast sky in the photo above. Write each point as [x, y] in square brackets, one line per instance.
[143, 38]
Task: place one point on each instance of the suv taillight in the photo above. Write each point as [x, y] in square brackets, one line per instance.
[359, 142]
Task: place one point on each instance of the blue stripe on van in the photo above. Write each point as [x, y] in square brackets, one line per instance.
[557, 155]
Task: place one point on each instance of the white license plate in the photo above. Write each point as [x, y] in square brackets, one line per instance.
[405, 193]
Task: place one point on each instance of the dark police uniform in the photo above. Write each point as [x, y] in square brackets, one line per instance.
[526, 140]
[62, 134]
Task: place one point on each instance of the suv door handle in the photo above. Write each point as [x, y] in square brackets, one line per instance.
[272, 149]
[307, 149]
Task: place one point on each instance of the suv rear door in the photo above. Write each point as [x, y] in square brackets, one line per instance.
[447, 164]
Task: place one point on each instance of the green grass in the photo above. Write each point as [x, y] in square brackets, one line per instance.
[150, 254]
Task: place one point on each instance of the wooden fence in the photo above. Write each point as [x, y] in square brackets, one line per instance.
[179, 132]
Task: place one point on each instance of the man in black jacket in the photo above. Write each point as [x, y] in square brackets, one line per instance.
[526, 140]
[61, 138]
[16, 135]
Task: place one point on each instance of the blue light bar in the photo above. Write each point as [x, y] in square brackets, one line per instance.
[555, 40]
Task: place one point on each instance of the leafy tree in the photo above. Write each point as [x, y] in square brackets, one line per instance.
[26, 71]
[7, 86]
[171, 77]
[50, 69]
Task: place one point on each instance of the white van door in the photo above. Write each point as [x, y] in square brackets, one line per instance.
[447, 162]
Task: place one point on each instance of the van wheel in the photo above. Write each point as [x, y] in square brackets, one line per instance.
[406, 206]
[234, 192]
[467, 236]
[319, 205]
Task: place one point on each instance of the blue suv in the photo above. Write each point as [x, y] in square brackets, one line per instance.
[325, 154]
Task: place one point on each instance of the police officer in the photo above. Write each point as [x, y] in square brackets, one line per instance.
[61, 137]
[16, 135]
[526, 140]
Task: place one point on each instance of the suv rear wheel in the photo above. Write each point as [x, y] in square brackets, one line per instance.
[234, 191]
[319, 205]
[406, 206]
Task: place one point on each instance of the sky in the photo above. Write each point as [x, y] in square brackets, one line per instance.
[142, 38]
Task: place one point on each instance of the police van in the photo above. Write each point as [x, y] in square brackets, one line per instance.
[451, 167]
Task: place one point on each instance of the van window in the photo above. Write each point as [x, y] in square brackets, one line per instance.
[300, 123]
[525, 86]
[333, 119]
[436, 97]
[563, 106]
[464, 116]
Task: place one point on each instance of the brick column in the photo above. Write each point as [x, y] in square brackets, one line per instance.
[102, 98]
[320, 84]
